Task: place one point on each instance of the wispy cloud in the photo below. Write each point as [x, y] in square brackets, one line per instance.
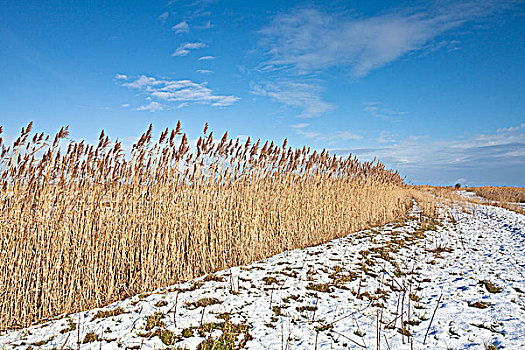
[164, 16]
[151, 107]
[182, 92]
[376, 110]
[475, 158]
[303, 96]
[511, 128]
[307, 39]
[342, 135]
[121, 76]
[184, 49]
[196, 12]
[300, 125]
[182, 27]
[206, 58]
[330, 138]
[204, 71]
[386, 137]
[143, 82]
[307, 134]
[207, 25]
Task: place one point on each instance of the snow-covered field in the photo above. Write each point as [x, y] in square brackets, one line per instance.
[472, 195]
[454, 284]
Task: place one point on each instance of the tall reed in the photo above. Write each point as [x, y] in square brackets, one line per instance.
[84, 225]
[501, 193]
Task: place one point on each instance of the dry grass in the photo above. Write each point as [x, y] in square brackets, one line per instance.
[108, 313]
[85, 225]
[428, 197]
[501, 194]
[505, 197]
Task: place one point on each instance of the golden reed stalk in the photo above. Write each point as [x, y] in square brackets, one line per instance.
[501, 194]
[85, 225]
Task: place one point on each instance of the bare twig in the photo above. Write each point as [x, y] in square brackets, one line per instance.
[202, 316]
[63, 345]
[432, 319]
[346, 337]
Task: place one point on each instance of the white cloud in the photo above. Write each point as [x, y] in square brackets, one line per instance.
[182, 92]
[307, 134]
[341, 135]
[163, 17]
[298, 95]
[205, 58]
[125, 105]
[207, 25]
[204, 71]
[182, 27]
[306, 39]
[300, 125]
[499, 155]
[121, 76]
[151, 107]
[184, 49]
[386, 137]
[143, 81]
[512, 128]
[378, 111]
[331, 138]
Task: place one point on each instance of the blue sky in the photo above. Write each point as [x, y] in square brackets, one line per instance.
[434, 89]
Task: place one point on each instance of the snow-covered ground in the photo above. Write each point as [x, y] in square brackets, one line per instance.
[471, 195]
[459, 283]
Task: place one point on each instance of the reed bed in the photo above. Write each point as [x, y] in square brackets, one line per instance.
[85, 225]
[501, 193]
[501, 196]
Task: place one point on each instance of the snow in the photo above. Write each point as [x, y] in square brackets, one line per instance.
[445, 262]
